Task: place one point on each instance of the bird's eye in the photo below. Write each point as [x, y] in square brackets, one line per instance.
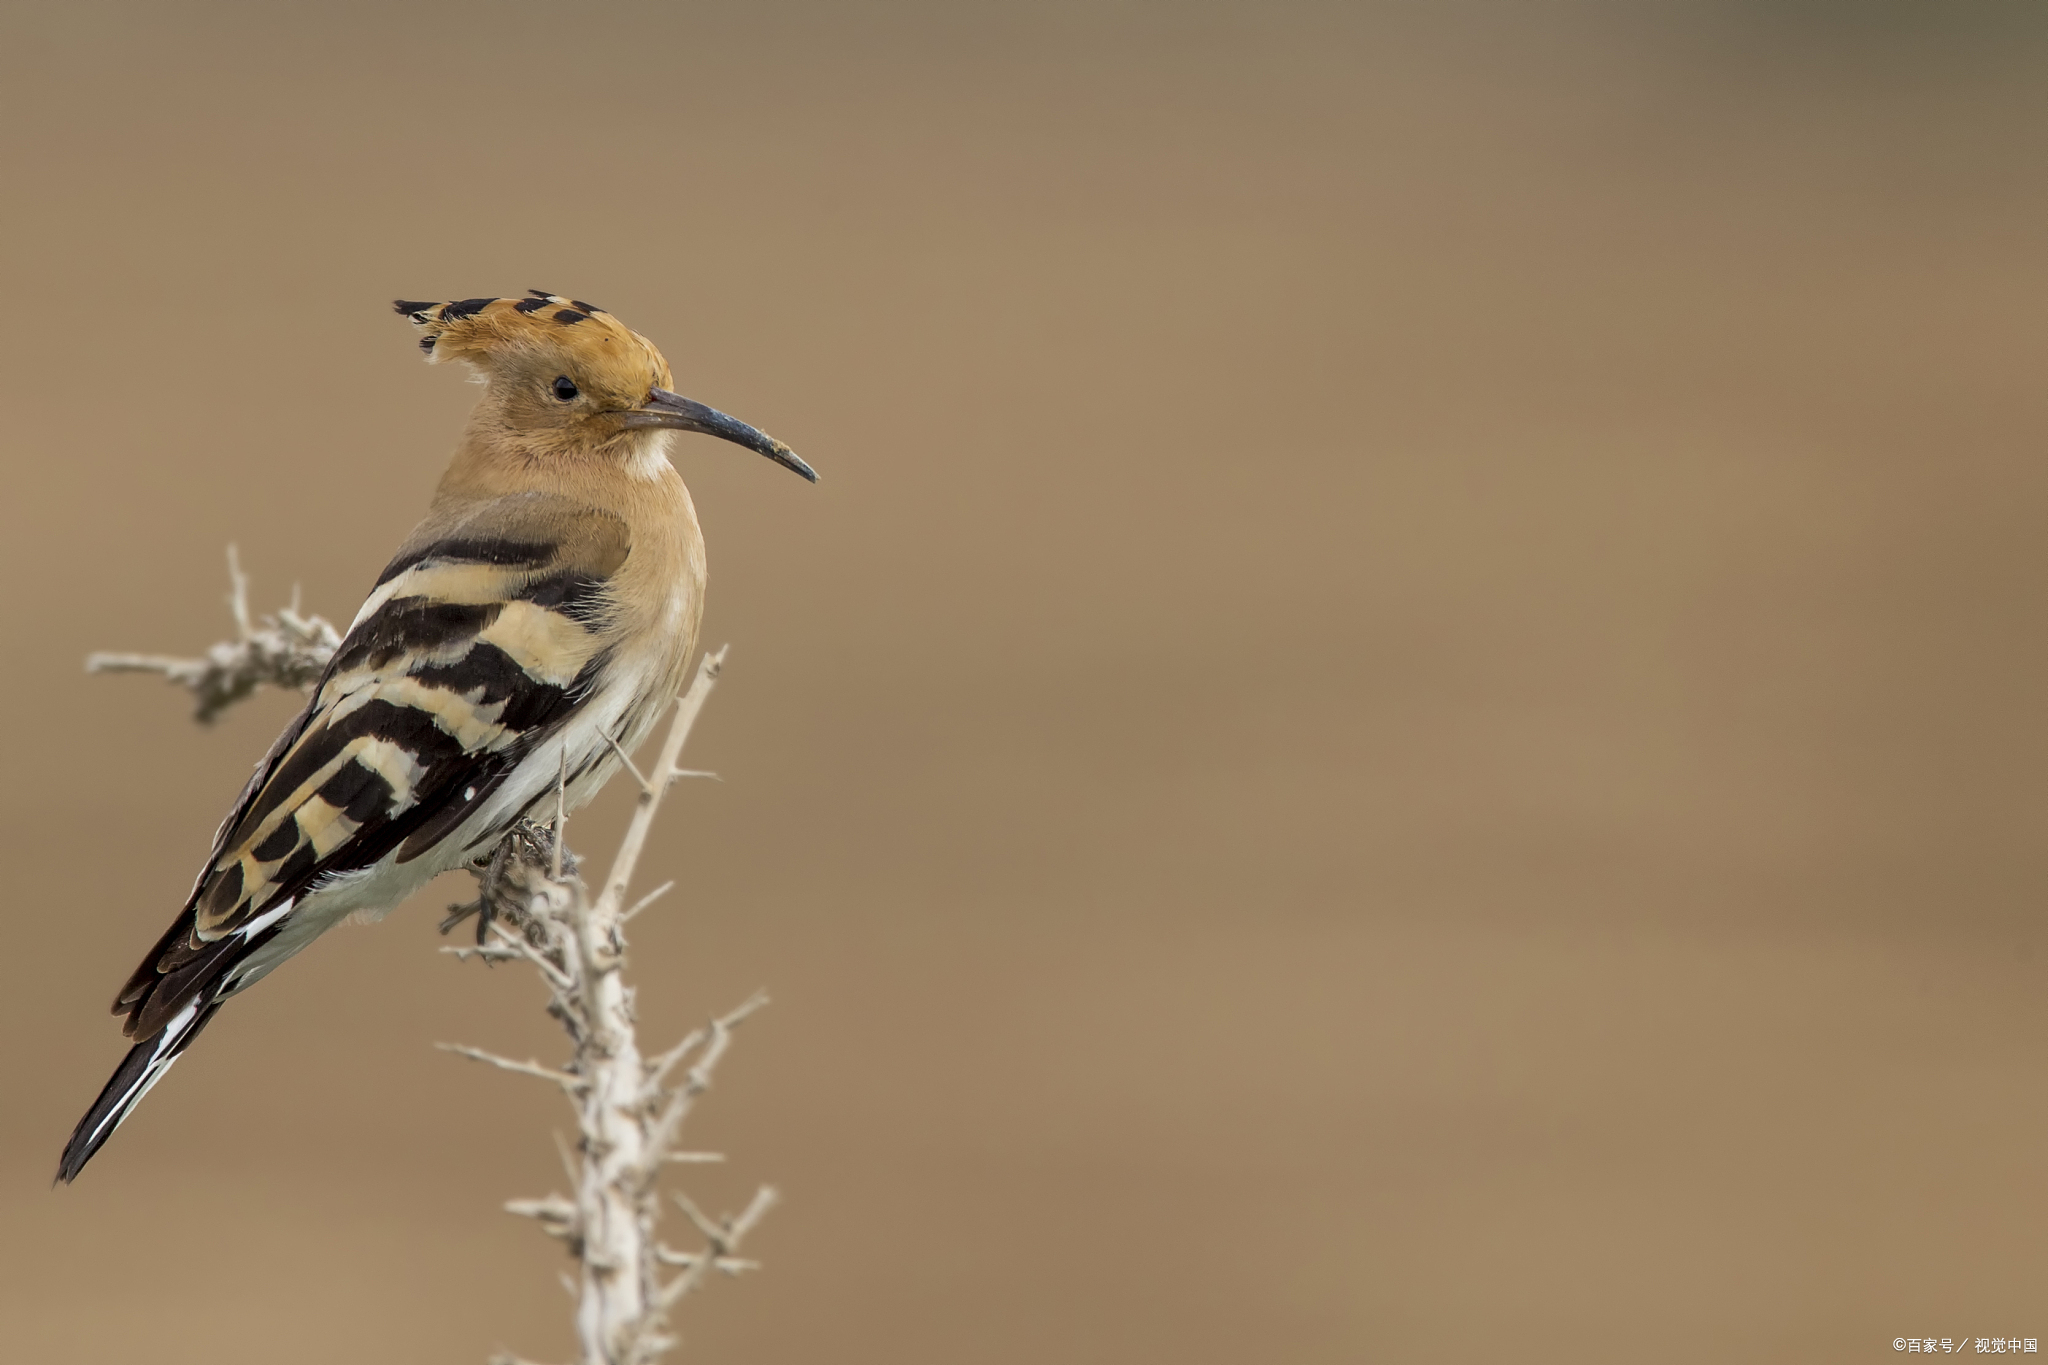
[565, 389]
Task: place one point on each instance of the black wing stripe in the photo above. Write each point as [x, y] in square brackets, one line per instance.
[479, 550]
[223, 893]
[455, 807]
[533, 529]
[358, 794]
[293, 872]
[278, 845]
[487, 677]
[575, 594]
[408, 626]
[341, 784]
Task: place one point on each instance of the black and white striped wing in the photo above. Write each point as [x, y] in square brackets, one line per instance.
[473, 649]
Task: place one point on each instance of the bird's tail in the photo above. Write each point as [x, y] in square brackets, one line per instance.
[142, 1068]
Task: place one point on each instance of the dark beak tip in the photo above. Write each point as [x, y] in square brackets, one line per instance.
[672, 410]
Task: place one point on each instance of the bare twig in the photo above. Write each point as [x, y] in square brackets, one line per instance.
[285, 650]
[535, 1069]
[238, 593]
[721, 1240]
[626, 759]
[556, 1215]
[650, 898]
[492, 953]
[561, 830]
[697, 1079]
[665, 770]
[658, 1069]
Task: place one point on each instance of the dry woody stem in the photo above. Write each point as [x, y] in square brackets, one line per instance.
[630, 1108]
[533, 906]
[286, 650]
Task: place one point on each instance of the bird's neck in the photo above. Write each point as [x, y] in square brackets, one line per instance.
[492, 461]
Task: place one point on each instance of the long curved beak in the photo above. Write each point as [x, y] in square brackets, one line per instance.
[677, 413]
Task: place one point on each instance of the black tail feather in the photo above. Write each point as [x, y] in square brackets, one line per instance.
[138, 1071]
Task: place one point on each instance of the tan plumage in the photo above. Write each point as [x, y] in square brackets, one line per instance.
[543, 610]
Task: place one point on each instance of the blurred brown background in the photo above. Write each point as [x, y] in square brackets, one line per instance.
[1409, 724]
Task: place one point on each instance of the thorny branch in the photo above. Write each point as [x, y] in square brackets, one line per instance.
[533, 906]
[285, 650]
[629, 1112]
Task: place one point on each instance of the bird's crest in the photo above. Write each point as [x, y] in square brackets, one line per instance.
[485, 332]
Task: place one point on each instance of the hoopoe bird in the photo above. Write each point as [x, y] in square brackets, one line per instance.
[531, 628]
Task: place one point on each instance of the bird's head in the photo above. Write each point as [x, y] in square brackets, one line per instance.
[565, 376]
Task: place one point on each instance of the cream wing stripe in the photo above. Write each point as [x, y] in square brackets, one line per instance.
[547, 646]
[450, 581]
